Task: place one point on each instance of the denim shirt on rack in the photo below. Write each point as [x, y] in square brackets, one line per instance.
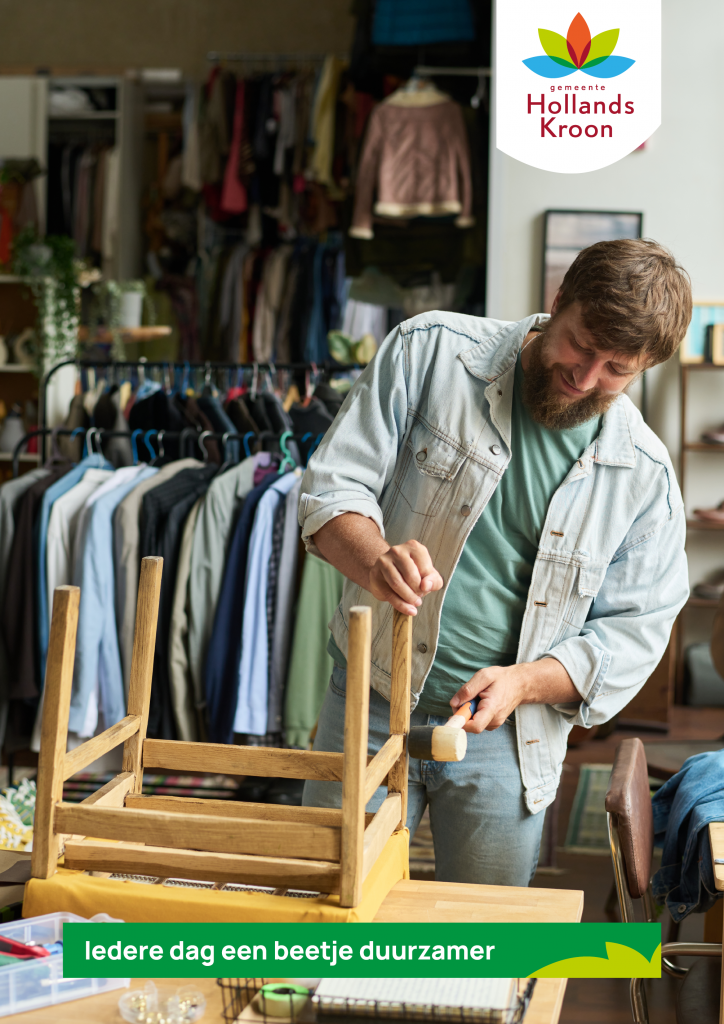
[421, 443]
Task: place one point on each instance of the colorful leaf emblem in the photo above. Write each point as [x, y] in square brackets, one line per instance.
[578, 52]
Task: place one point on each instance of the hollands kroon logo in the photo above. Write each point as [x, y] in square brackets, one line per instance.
[578, 52]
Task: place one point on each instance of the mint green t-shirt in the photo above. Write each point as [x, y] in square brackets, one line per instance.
[484, 605]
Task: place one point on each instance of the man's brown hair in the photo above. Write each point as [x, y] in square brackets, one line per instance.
[634, 296]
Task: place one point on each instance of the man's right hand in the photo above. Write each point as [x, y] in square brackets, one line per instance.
[403, 575]
[400, 575]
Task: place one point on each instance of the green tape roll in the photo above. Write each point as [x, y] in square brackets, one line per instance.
[282, 999]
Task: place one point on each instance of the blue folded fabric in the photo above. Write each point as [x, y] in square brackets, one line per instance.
[416, 22]
[683, 808]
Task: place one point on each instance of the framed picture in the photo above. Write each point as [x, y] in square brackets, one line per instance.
[566, 232]
[703, 340]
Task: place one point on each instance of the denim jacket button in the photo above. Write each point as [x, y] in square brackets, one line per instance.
[495, 449]
[466, 510]
[681, 908]
[422, 648]
[421, 456]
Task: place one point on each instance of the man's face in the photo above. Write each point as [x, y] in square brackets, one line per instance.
[569, 377]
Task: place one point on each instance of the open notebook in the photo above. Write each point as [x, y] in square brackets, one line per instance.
[477, 1000]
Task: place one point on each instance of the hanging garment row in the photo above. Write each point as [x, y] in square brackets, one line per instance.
[190, 403]
[231, 572]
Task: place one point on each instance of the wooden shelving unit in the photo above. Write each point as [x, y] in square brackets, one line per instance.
[688, 447]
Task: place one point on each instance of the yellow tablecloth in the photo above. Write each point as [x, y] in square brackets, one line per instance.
[77, 893]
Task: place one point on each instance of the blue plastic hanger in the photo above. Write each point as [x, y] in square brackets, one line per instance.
[147, 442]
[245, 439]
[134, 445]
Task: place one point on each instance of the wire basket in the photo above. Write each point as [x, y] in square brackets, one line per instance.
[237, 994]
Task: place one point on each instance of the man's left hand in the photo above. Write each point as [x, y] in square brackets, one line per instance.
[500, 689]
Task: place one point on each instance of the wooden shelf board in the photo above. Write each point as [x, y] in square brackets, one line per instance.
[702, 446]
[129, 333]
[15, 368]
[702, 366]
[701, 602]
[703, 524]
[86, 115]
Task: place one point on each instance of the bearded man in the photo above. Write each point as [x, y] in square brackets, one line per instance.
[494, 480]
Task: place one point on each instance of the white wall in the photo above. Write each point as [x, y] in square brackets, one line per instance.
[677, 181]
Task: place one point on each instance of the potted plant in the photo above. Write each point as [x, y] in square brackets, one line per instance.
[49, 268]
[119, 305]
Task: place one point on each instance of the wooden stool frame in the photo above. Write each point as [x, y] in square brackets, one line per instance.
[332, 850]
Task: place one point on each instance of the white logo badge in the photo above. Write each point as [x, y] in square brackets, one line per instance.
[577, 87]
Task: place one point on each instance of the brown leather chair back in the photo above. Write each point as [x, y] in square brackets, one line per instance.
[629, 801]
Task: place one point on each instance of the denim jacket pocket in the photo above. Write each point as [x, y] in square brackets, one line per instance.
[427, 470]
[587, 585]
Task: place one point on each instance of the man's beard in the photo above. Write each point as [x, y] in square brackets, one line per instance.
[547, 405]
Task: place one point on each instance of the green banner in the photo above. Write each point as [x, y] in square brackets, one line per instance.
[362, 950]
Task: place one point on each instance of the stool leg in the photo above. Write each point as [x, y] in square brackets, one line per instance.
[356, 732]
[54, 734]
[144, 646]
[400, 704]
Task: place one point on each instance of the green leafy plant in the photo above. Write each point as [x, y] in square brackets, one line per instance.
[49, 268]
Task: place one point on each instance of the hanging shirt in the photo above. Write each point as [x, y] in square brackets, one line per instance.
[310, 665]
[64, 518]
[224, 651]
[57, 490]
[252, 702]
[98, 678]
[209, 554]
[485, 602]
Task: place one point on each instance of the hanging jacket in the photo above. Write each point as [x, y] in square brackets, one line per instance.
[417, 158]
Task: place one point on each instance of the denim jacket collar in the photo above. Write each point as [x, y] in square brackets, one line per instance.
[494, 360]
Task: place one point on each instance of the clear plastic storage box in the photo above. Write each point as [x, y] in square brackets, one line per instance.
[37, 983]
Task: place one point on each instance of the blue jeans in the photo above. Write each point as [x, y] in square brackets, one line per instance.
[481, 828]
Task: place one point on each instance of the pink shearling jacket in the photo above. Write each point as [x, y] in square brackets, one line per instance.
[418, 159]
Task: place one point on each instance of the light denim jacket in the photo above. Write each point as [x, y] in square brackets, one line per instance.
[420, 445]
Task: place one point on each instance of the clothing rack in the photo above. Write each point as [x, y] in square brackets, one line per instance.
[97, 435]
[182, 365]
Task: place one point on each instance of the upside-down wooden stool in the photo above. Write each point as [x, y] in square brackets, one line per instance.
[320, 849]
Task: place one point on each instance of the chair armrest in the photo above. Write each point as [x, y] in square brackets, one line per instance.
[686, 949]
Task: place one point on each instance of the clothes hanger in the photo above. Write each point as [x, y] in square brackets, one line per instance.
[201, 439]
[227, 463]
[159, 437]
[245, 440]
[315, 445]
[88, 443]
[305, 437]
[288, 460]
[187, 432]
[134, 445]
[147, 442]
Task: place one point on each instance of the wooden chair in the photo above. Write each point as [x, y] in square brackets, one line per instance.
[322, 849]
[631, 832]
